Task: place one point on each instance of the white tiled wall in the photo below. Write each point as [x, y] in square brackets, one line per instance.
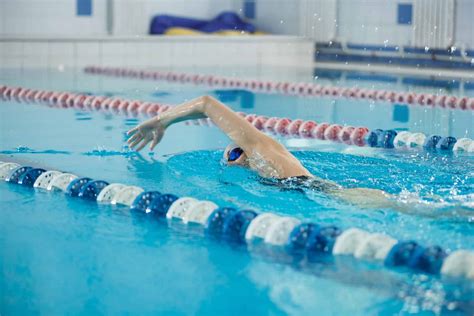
[372, 22]
[50, 17]
[464, 28]
[131, 17]
[355, 21]
[156, 52]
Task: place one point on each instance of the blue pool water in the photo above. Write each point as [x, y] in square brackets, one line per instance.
[63, 256]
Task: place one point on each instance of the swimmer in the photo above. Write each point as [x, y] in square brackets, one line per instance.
[255, 150]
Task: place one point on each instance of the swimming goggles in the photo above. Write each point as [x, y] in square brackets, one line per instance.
[234, 154]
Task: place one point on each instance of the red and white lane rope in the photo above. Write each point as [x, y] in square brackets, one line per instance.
[297, 128]
[292, 88]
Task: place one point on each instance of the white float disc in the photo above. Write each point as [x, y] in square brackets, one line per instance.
[61, 181]
[462, 144]
[6, 168]
[471, 147]
[401, 139]
[127, 195]
[180, 207]
[459, 264]
[43, 181]
[375, 246]
[416, 140]
[259, 226]
[108, 193]
[279, 232]
[199, 212]
[349, 241]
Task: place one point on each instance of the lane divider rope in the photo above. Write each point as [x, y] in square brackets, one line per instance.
[247, 227]
[297, 128]
[306, 89]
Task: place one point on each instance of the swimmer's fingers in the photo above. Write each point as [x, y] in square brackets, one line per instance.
[143, 144]
[134, 143]
[154, 142]
[134, 137]
[132, 131]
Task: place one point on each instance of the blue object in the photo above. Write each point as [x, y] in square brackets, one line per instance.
[234, 154]
[143, 200]
[401, 113]
[323, 238]
[215, 222]
[446, 143]
[431, 141]
[405, 13]
[76, 185]
[84, 7]
[235, 225]
[387, 138]
[90, 190]
[224, 21]
[28, 178]
[428, 259]
[249, 9]
[17, 173]
[300, 235]
[403, 253]
[160, 205]
[372, 138]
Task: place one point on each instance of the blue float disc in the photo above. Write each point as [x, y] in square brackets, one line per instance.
[91, 189]
[300, 235]
[215, 222]
[17, 173]
[372, 138]
[28, 178]
[431, 141]
[235, 225]
[428, 259]
[387, 139]
[446, 143]
[76, 185]
[143, 201]
[323, 238]
[160, 205]
[402, 253]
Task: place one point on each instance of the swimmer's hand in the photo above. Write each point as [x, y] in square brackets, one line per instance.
[151, 130]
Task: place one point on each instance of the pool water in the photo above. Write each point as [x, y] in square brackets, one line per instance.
[63, 256]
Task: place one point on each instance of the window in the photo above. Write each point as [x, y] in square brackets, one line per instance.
[405, 11]
[249, 9]
[84, 7]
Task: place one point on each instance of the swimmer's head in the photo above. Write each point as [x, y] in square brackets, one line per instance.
[234, 155]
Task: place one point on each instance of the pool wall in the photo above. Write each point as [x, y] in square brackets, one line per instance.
[147, 51]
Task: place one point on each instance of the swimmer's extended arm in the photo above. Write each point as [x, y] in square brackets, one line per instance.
[236, 127]
[254, 143]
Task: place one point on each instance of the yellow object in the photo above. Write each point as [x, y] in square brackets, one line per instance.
[176, 31]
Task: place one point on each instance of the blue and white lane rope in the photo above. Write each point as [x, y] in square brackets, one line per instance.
[249, 227]
[285, 127]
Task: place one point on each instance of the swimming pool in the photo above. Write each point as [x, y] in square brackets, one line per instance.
[61, 255]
